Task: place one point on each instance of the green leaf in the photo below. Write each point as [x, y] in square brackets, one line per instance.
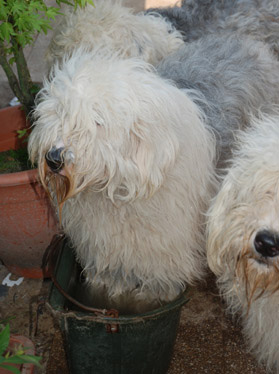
[20, 23]
[81, 3]
[18, 7]
[35, 89]
[11, 368]
[3, 12]
[21, 133]
[23, 359]
[37, 24]
[64, 2]
[75, 3]
[6, 30]
[23, 39]
[37, 6]
[52, 12]
[4, 339]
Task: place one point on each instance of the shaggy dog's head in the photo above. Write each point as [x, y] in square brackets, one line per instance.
[106, 123]
[243, 227]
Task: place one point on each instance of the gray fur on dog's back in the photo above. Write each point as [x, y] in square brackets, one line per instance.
[198, 18]
[195, 16]
[232, 78]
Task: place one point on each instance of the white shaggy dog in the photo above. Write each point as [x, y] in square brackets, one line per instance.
[137, 174]
[243, 237]
[116, 27]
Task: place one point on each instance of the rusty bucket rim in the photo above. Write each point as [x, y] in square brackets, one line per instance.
[102, 315]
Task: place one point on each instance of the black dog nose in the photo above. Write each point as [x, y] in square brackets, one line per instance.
[267, 243]
[54, 159]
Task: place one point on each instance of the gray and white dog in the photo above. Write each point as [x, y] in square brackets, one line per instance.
[229, 75]
[243, 222]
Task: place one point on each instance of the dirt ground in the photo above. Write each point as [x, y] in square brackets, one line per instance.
[208, 341]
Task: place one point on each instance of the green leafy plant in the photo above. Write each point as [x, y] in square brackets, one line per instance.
[14, 356]
[20, 22]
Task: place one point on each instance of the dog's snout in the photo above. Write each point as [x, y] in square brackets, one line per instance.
[54, 159]
[267, 243]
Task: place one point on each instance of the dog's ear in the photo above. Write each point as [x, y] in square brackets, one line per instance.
[139, 168]
[224, 226]
[152, 155]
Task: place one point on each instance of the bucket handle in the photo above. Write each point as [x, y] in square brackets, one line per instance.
[50, 255]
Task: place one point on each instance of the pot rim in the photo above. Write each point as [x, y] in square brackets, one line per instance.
[19, 178]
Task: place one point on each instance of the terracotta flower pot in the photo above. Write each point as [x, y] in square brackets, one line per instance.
[27, 220]
[16, 340]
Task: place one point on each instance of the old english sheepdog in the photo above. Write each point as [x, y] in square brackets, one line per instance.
[129, 157]
[114, 26]
[197, 18]
[243, 237]
[136, 173]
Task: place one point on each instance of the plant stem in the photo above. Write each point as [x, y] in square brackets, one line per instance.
[24, 77]
[12, 78]
[21, 85]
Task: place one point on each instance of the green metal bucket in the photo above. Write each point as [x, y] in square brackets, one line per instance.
[97, 344]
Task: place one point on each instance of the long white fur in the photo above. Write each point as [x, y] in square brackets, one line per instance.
[248, 202]
[143, 172]
[116, 27]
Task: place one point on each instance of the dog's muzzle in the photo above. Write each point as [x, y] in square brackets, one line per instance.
[266, 243]
[55, 159]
